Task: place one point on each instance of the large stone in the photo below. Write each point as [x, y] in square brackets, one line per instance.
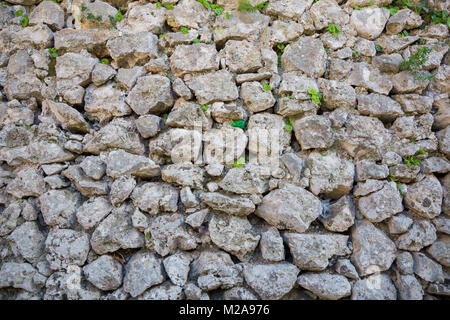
[214, 87]
[188, 115]
[143, 271]
[427, 269]
[234, 235]
[131, 49]
[380, 106]
[153, 197]
[373, 251]
[66, 116]
[440, 249]
[230, 204]
[28, 241]
[28, 182]
[151, 94]
[374, 287]
[177, 267]
[119, 163]
[313, 251]
[288, 9]
[92, 211]
[271, 281]
[184, 174]
[256, 98]
[369, 77]
[58, 207]
[66, 247]
[18, 275]
[143, 18]
[116, 232]
[198, 57]
[86, 185]
[49, 13]
[369, 22]
[306, 55]
[337, 94]
[331, 175]
[105, 273]
[291, 208]
[314, 131]
[382, 204]
[425, 197]
[339, 216]
[242, 56]
[169, 233]
[421, 234]
[325, 285]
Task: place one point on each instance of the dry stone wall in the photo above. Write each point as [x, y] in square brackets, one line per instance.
[117, 181]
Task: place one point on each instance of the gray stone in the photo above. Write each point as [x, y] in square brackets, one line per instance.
[271, 281]
[177, 267]
[143, 271]
[28, 241]
[66, 116]
[256, 98]
[230, 204]
[153, 197]
[120, 163]
[86, 185]
[369, 77]
[271, 245]
[105, 273]
[399, 224]
[339, 216]
[425, 197]
[337, 94]
[291, 208]
[18, 275]
[374, 287]
[234, 235]
[28, 182]
[93, 167]
[58, 207]
[380, 106]
[405, 262]
[184, 174]
[369, 22]
[151, 94]
[368, 244]
[346, 268]
[313, 251]
[427, 269]
[314, 131]
[214, 87]
[121, 188]
[439, 250]
[195, 58]
[148, 125]
[421, 234]
[366, 170]
[91, 212]
[66, 247]
[325, 285]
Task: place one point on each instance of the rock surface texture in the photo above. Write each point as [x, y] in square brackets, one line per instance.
[224, 149]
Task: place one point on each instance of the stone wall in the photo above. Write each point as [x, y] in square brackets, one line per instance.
[116, 182]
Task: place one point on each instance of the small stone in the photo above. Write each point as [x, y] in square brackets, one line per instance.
[314, 131]
[177, 267]
[271, 245]
[91, 212]
[105, 273]
[425, 197]
[148, 125]
[399, 224]
[233, 205]
[346, 268]
[369, 22]
[325, 285]
[256, 98]
[339, 216]
[427, 269]
[374, 287]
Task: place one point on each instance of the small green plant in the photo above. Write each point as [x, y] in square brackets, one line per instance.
[402, 34]
[169, 6]
[123, 9]
[112, 20]
[205, 107]
[411, 161]
[162, 35]
[148, 235]
[104, 61]
[356, 8]
[371, 2]
[227, 15]
[239, 162]
[287, 96]
[421, 151]
[355, 54]
[196, 40]
[289, 124]
[90, 16]
[184, 30]
[315, 96]
[279, 61]
[28, 127]
[119, 16]
[165, 115]
[218, 10]
[83, 8]
[239, 124]
[24, 21]
[53, 52]
[378, 48]
[18, 13]
[266, 87]
[244, 5]
[333, 29]
[323, 154]
[415, 63]
[158, 5]
[281, 47]
[99, 18]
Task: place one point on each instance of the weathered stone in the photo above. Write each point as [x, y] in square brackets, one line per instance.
[121, 188]
[188, 115]
[271, 281]
[439, 250]
[177, 267]
[313, 251]
[339, 216]
[93, 167]
[27, 183]
[399, 224]
[271, 245]
[374, 287]
[66, 247]
[337, 94]
[374, 255]
[369, 22]
[152, 197]
[91, 212]
[28, 241]
[369, 77]
[242, 56]
[168, 233]
[144, 18]
[325, 285]
[133, 49]
[307, 55]
[234, 235]
[380, 106]
[421, 234]
[116, 232]
[105, 273]
[234, 205]
[86, 185]
[427, 269]
[213, 87]
[151, 94]
[18, 275]
[198, 57]
[328, 12]
[256, 98]
[49, 13]
[143, 271]
[346, 268]
[291, 208]
[331, 175]
[120, 163]
[382, 204]
[314, 132]
[58, 207]
[425, 197]
[184, 174]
